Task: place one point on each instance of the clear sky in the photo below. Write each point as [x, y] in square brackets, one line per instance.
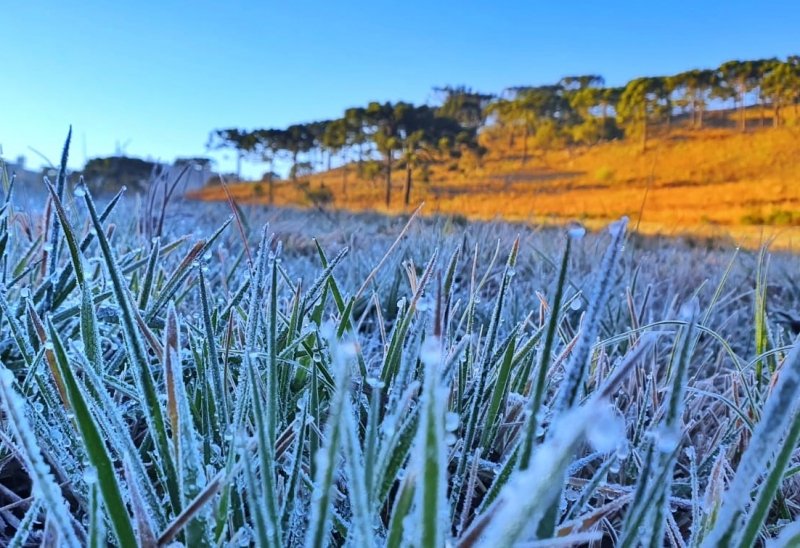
[154, 77]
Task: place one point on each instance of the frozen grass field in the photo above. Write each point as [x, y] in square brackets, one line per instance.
[301, 378]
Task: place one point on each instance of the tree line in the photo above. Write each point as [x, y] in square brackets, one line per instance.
[576, 110]
[415, 134]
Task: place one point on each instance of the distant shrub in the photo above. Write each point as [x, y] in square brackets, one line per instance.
[778, 217]
[112, 173]
[424, 173]
[321, 196]
[372, 169]
[458, 220]
[604, 174]
[783, 217]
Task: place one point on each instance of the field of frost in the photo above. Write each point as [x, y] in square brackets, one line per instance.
[176, 373]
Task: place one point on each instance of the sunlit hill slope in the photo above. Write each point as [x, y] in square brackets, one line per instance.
[718, 182]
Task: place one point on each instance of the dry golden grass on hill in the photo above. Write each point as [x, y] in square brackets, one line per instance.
[713, 182]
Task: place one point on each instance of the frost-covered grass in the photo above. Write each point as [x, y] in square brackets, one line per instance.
[394, 382]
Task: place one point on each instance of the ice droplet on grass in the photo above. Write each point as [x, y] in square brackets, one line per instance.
[389, 427]
[576, 231]
[348, 350]
[606, 430]
[327, 330]
[666, 440]
[90, 475]
[375, 382]
[451, 421]
[689, 310]
[623, 449]
[431, 351]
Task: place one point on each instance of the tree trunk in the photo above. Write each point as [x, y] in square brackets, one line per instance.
[271, 184]
[525, 145]
[388, 179]
[408, 183]
[742, 121]
[700, 118]
[238, 166]
[644, 132]
[294, 166]
[344, 178]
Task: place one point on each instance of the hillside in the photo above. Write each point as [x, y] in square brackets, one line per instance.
[715, 182]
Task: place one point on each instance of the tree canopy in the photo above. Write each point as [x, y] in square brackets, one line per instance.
[578, 110]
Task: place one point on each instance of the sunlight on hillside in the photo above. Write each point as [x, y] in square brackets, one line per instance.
[717, 182]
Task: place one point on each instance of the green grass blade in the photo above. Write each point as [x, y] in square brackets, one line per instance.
[430, 457]
[538, 389]
[95, 447]
[137, 356]
[779, 412]
[49, 493]
[25, 526]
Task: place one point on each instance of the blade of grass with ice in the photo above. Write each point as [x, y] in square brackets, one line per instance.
[137, 357]
[53, 239]
[476, 403]
[577, 365]
[25, 526]
[538, 389]
[327, 457]
[779, 411]
[44, 484]
[95, 447]
[190, 462]
[432, 512]
[648, 514]
[216, 372]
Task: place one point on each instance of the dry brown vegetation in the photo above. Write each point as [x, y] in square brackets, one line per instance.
[716, 182]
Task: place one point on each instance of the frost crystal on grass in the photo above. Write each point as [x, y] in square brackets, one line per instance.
[45, 487]
[430, 354]
[576, 231]
[606, 431]
[287, 397]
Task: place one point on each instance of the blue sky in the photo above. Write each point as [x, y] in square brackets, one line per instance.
[155, 77]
